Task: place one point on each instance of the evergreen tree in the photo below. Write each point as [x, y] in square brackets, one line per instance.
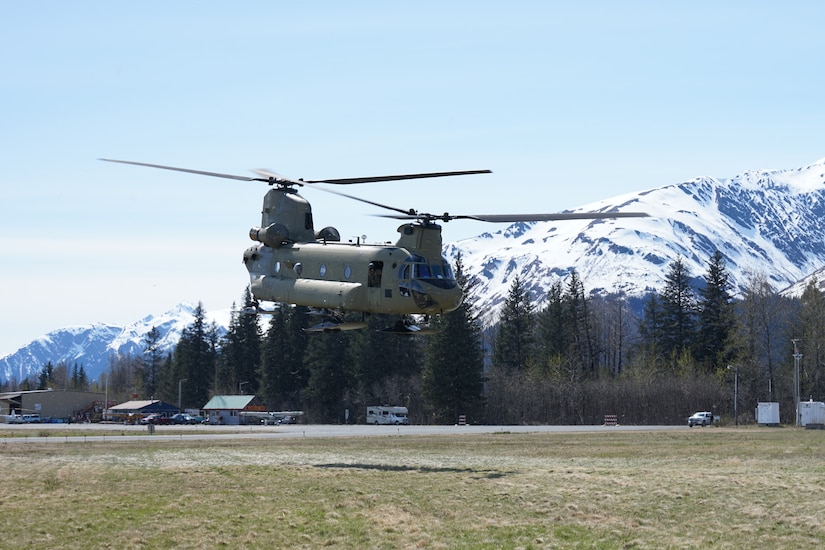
[45, 377]
[716, 316]
[579, 325]
[194, 363]
[381, 363]
[678, 311]
[513, 344]
[282, 373]
[241, 351]
[552, 339]
[326, 361]
[812, 329]
[453, 377]
[151, 362]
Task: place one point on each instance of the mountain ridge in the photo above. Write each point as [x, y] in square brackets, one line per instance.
[769, 222]
[763, 221]
[91, 346]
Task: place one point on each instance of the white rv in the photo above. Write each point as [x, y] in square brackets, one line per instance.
[387, 415]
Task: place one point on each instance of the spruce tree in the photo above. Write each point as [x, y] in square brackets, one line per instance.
[241, 351]
[326, 361]
[552, 339]
[513, 343]
[382, 363]
[283, 375]
[716, 316]
[151, 362]
[678, 311]
[194, 363]
[579, 325]
[453, 377]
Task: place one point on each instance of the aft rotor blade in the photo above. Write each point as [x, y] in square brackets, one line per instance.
[188, 170]
[348, 181]
[510, 218]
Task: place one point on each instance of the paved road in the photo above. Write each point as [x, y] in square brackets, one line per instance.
[35, 433]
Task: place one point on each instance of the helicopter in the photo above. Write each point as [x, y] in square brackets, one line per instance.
[293, 263]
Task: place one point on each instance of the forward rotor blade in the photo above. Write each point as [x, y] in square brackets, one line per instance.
[190, 171]
[410, 213]
[273, 177]
[348, 181]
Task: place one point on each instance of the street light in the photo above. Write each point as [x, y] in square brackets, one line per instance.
[181, 381]
[735, 394]
[797, 357]
[240, 387]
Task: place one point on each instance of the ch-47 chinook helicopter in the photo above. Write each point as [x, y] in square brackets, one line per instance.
[292, 263]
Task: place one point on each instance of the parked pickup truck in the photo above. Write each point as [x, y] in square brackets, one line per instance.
[700, 419]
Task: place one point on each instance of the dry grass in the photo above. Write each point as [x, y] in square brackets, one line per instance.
[720, 488]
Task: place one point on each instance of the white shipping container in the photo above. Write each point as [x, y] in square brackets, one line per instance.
[811, 412]
[767, 413]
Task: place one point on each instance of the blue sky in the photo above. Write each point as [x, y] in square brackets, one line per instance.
[567, 102]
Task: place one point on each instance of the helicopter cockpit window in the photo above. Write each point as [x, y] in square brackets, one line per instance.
[436, 273]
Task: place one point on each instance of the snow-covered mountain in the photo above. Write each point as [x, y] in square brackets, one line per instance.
[770, 223]
[764, 222]
[91, 346]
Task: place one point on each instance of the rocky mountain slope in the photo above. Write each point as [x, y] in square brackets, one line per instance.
[766, 222]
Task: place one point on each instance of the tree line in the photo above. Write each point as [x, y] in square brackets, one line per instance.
[572, 360]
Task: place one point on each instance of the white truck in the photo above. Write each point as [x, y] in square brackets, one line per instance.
[703, 418]
[387, 415]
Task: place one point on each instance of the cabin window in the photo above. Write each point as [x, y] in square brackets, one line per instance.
[298, 269]
[374, 274]
[308, 221]
[323, 270]
[347, 272]
[277, 267]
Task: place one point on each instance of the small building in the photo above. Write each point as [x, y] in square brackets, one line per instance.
[53, 405]
[811, 414]
[131, 412]
[229, 409]
[767, 413]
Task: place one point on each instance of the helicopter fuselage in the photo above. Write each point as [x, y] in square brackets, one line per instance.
[410, 277]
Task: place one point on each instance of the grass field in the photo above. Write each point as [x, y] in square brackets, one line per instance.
[700, 488]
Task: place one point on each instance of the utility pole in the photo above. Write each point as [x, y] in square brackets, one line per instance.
[181, 381]
[797, 357]
[735, 394]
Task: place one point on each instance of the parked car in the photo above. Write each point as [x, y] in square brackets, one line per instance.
[31, 418]
[183, 418]
[155, 418]
[700, 419]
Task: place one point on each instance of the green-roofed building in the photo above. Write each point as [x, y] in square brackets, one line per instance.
[230, 409]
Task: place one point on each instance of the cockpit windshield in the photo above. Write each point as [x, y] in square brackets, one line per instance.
[438, 273]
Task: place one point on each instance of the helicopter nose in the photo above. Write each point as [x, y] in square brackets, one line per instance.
[440, 300]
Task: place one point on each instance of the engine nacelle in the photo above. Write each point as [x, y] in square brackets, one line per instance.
[273, 236]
